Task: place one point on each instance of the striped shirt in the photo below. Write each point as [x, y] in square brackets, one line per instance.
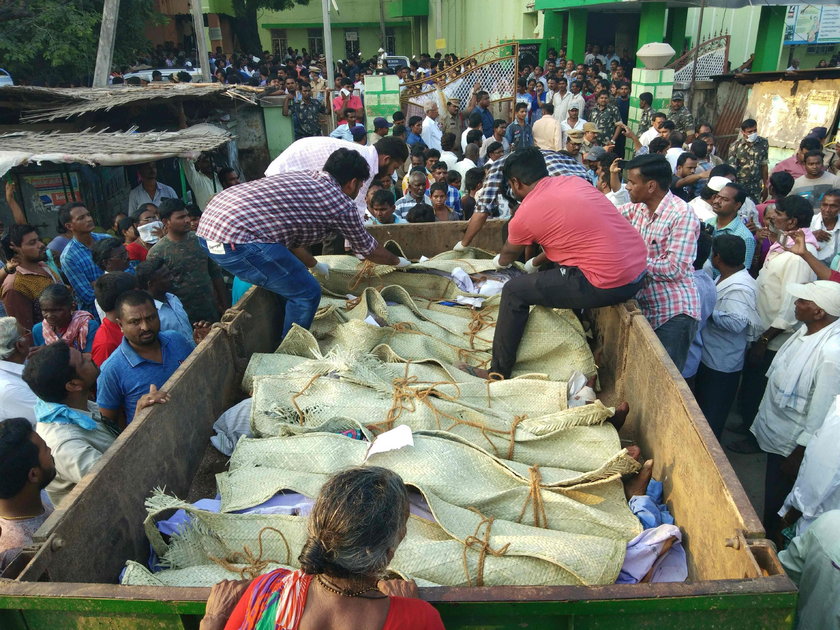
[77, 264]
[671, 239]
[294, 209]
[488, 196]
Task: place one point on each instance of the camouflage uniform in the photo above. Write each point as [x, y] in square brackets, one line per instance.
[192, 275]
[605, 119]
[645, 121]
[748, 158]
[683, 120]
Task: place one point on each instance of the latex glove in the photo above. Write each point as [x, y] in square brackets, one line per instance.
[496, 262]
[530, 267]
[459, 247]
[404, 262]
[321, 269]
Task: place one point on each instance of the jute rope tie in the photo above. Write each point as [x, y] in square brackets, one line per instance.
[535, 499]
[464, 354]
[366, 272]
[254, 565]
[481, 542]
[479, 320]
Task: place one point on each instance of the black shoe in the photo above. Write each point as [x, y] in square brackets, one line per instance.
[745, 446]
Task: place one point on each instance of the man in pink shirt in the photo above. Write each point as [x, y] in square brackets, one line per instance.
[598, 258]
[346, 99]
[795, 164]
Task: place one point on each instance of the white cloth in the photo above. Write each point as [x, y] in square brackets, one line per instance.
[75, 451]
[702, 208]
[647, 136]
[464, 139]
[310, 154]
[16, 399]
[561, 105]
[232, 425]
[138, 196]
[449, 158]
[566, 127]
[482, 152]
[619, 197]
[811, 561]
[775, 304]
[817, 486]
[463, 166]
[672, 155]
[828, 249]
[802, 382]
[733, 324]
[431, 133]
[203, 187]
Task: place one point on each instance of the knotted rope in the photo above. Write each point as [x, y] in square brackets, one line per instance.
[254, 565]
[535, 498]
[481, 543]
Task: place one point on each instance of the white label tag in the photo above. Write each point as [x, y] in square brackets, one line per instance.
[215, 248]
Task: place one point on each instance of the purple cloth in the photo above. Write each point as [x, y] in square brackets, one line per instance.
[643, 554]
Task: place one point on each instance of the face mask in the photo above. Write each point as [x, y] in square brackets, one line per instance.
[752, 137]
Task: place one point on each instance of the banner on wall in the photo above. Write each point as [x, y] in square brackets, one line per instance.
[808, 24]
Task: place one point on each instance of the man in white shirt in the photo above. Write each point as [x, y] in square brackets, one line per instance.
[802, 382]
[656, 123]
[70, 424]
[561, 100]
[702, 204]
[310, 154]
[825, 226]
[16, 399]
[431, 133]
[149, 190]
[202, 179]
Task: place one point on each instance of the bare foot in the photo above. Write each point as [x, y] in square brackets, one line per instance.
[474, 371]
[637, 485]
[635, 452]
[620, 415]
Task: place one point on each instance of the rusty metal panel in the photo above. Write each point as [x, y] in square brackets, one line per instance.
[731, 105]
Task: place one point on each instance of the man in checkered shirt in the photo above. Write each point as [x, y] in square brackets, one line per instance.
[260, 230]
[670, 228]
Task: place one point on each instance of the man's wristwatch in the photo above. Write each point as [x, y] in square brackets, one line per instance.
[764, 339]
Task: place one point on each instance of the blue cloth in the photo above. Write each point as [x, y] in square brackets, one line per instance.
[79, 269]
[273, 267]
[38, 335]
[125, 376]
[239, 289]
[486, 120]
[412, 139]
[649, 508]
[708, 296]
[519, 136]
[62, 414]
[736, 227]
[173, 317]
[453, 200]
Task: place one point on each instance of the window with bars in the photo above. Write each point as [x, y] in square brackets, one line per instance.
[279, 40]
[351, 42]
[315, 41]
[391, 41]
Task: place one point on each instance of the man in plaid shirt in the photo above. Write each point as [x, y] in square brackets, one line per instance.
[77, 258]
[670, 228]
[259, 231]
[487, 204]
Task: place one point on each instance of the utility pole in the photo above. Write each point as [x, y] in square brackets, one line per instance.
[200, 42]
[328, 53]
[382, 27]
[107, 34]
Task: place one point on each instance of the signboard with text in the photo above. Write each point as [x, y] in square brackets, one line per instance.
[808, 24]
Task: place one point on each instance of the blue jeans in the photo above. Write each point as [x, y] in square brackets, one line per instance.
[676, 335]
[275, 268]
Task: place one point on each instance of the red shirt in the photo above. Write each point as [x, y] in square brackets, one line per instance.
[835, 276]
[577, 226]
[136, 251]
[107, 339]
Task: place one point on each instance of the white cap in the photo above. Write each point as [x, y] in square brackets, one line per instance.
[717, 183]
[823, 293]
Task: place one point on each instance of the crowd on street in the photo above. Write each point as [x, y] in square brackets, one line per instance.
[734, 262]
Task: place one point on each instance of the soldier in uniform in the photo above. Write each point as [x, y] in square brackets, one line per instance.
[606, 116]
[645, 122]
[590, 138]
[748, 154]
[683, 120]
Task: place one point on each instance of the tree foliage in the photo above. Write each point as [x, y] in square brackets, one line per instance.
[245, 25]
[55, 42]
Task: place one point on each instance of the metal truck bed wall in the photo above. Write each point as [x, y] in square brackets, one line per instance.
[735, 577]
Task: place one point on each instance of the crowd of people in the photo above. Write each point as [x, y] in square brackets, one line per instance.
[735, 265]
